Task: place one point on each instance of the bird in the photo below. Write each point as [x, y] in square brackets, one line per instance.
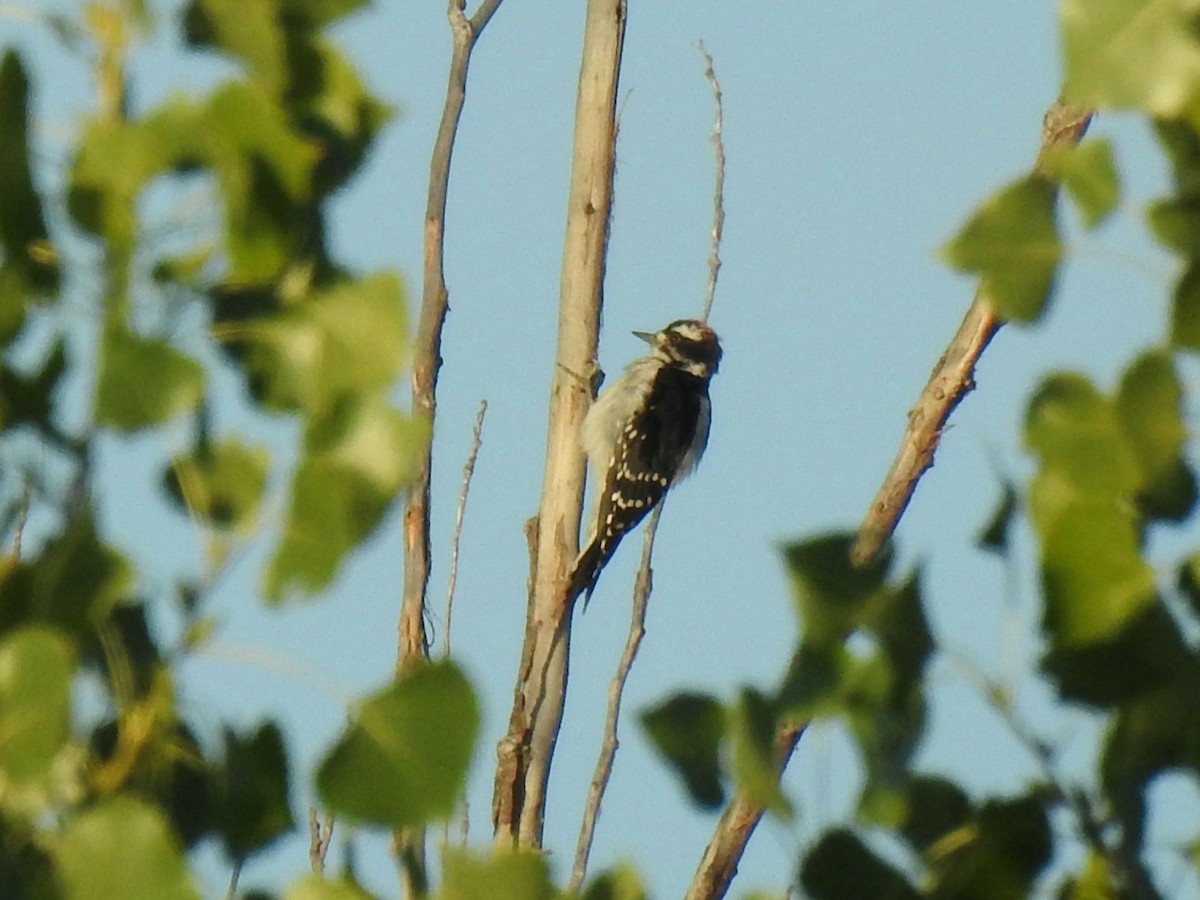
[643, 435]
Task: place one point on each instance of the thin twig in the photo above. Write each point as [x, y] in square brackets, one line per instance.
[616, 691]
[234, 877]
[409, 845]
[526, 752]
[456, 539]
[319, 838]
[736, 825]
[718, 139]
[954, 375]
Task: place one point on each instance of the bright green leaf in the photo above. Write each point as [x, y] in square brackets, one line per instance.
[752, 730]
[249, 30]
[403, 760]
[502, 875]
[1012, 243]
[221, 484]
[621, 883]
[36, 667]
[687, 731]
[359, 457]
[1129, 54]
[121, 848]
[320, 13]
[144, 381]
[1089, 174]
[315, 887]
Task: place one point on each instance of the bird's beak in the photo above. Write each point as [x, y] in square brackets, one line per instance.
[645, 336]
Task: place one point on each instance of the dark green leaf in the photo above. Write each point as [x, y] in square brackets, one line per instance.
[831, 593]
[252, 794]
[221, 484]
[994, 536]
[403, 760]
[841, 866]
[36, 667]
[1089, 174]
[1009, 844]
[1185, 310]
[144, 382]
[1176, 223]
[1126, 54]
[501, 875]
[121, 848]
[935, 808]
[30, 263]
[1012, 243]
[687, 731]
[359, 457]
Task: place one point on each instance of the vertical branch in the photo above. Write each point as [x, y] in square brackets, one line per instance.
[526, 752]
[616, 691]
[718, 139]
[456, 539]
[954, 375]
[734, 828]
[427, 360]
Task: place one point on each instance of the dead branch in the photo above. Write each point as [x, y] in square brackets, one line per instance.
[427, 360]
[616, 692]
[319, 838]
[734, 828]
[526, 752]
[954, 375]
[460, 513]
[718, 139]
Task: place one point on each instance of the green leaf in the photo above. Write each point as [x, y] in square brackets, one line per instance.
[313, 14]
[831, 593]
[1149, 405]
[1009, 843]
[621, 883]
[935, 808]
[357, 460]
[1185, 309]
[29, 261]
[841, 866]
[249, 30]
[752, 730]
[221, 484]
[1011, 242]
[403, 760]
[121, 848]
[347, 340]
[687, 731]
[501, 875]
[252, 796]
[143, 381]
[995, 535]
[1089, 174]
[36, 666]
[1129, 54]
[315, 887]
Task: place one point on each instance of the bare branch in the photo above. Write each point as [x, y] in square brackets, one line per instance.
[526, 752]
[413, 640]
[734, 828]
[954, 375]
[318, 840]
[616, 691]
[718, 139]
[456, 540]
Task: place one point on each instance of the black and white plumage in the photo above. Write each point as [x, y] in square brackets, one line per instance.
[644, 434]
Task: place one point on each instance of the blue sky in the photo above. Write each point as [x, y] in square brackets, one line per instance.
[859, 136]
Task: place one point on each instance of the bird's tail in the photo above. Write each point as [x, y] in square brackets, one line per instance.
[586, 572]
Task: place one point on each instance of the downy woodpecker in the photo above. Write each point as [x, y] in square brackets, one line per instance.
[644, 434]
